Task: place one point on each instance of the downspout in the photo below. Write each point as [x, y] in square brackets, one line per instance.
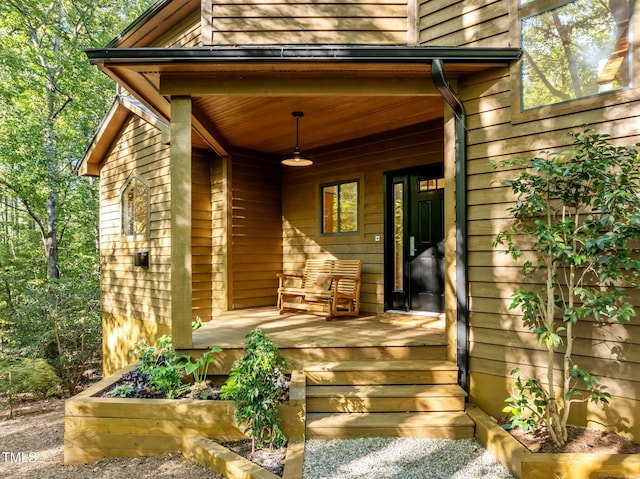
[462, 319]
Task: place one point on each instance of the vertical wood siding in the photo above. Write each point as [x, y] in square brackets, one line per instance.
[256, 230]
[498, 339]
[366, 160]
[201, 237]
[257, 22]
[469, 23]
[129, 291]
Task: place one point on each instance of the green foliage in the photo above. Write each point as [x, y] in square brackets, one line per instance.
[527, 404]
[57, 320]
[51, 101]
[30, 376]
[123, 391]
[164, 367]
[167, 369]
[582, 210]
[256, 386]
[199, 367]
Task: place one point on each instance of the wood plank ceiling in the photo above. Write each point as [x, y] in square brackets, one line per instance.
[250, 107]
[266, 124]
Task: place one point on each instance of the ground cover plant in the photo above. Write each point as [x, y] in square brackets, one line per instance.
[581, 208]
[163, 373]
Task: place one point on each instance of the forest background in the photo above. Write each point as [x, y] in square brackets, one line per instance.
[51, 103]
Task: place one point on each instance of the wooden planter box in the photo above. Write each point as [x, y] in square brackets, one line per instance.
[524, 464]
[98, 427]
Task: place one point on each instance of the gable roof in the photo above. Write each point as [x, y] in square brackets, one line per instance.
[154, 22]
[121, 109]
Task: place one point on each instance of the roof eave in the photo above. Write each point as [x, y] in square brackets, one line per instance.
[120, 110]
[306, 53]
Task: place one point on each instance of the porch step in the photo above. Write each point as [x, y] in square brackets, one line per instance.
[382, 372]
[388, 398]
[435, 425]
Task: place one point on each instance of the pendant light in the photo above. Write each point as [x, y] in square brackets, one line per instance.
[297, 158]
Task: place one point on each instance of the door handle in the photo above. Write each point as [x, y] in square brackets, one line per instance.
[412, 245]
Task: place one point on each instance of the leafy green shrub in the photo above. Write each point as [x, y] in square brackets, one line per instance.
[166, 369]
[256, 385]
[58, 320]
[582, 210]
[30, 376]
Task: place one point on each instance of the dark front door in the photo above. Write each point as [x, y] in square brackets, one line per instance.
[414, 260]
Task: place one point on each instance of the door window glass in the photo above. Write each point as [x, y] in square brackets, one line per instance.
[398, 235]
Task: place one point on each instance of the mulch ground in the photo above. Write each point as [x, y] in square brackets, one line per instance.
[580, 440]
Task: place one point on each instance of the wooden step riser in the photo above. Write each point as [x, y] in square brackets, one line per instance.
[381, 377]
[466, 432]
[223, 361]
[450, 425]
[375, 353]
[340, 405]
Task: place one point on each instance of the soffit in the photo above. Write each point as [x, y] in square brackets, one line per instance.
[243, 97]
[251, 107]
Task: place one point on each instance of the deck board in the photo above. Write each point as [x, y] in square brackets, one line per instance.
[313, 331]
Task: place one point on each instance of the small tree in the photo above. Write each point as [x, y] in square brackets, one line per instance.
[582, 208]
[257, 385]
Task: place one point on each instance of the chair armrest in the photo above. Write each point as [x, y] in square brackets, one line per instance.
[282, 277]
[347, 278]
[338, 279]
[288, 275]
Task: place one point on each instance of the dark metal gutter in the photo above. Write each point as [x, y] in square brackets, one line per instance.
[304, 53]
[462, 294]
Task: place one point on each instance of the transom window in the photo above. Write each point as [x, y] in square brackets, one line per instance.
[573, 49]
[135, 206]
[340, 207]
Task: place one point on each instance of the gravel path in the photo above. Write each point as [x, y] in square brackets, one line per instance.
[31, 447]
[400, 458]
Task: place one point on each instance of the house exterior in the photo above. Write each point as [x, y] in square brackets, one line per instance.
[404, 105]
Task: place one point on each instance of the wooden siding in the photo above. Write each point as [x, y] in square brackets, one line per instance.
[235, 22]
[256, 230]
[469, 23]
[498, 339]
[365, 160]
[129, 291]
[184, 35]
[201, 237]
[219, 235]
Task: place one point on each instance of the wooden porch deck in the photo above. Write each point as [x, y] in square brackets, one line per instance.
[310, 337]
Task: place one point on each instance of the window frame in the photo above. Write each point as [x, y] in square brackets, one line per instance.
[593, 102]
[358, 182]
[124, 230]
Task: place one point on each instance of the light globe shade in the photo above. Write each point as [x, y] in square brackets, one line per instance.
[297, 158]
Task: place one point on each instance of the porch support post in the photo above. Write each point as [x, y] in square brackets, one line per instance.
[462, 320]
[181, 269]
